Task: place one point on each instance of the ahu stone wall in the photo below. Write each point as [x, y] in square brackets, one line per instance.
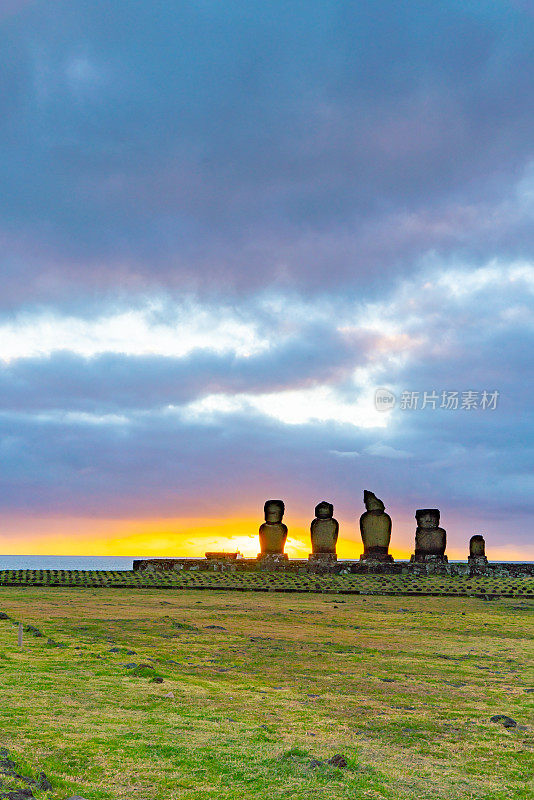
[339, 567]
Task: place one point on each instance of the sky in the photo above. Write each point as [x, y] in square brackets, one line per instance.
[223, 227]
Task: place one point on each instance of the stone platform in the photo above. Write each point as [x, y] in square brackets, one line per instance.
[339, 567]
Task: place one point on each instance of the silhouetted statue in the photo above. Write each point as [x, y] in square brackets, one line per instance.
[375, 528]
[324, 530]
[273, 532]
[477, 550]
[430, 539]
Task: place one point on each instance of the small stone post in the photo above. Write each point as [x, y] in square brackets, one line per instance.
[477, 551]
[20, 634]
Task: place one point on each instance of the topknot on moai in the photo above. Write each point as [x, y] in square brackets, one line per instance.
[430, 539]
[477, 551]
[324, 532]
[375, 528]
[273, 532]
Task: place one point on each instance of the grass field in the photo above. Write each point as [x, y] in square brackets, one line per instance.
[481, 585]
[261, 684]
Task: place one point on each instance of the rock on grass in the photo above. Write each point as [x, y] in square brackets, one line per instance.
[506, 722]
[33, 630]
[43, 783]
[337, 761]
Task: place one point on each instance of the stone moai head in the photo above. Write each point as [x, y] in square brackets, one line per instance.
[324, 510]
[427, 518]
[371, 501]
[477, 546]
[274, 510]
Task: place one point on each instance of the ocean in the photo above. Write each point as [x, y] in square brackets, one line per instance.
[66, 562]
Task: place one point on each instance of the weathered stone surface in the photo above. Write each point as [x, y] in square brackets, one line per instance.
[430, 539]
[477, 546]
[375, 528]
[273, 532]
[319, 560]
[363, 567]
[269, 561]
[158, 564]
[218, 555]
[324, 530]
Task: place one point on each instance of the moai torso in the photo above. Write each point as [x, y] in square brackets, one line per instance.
[273, 532]
[324, 529]
[430, 539]
[375, 527]
[477, 547]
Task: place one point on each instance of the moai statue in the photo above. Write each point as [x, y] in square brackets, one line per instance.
[477, 551]
[324, 532]
[273, 532]
[375, 528]
[430, 539]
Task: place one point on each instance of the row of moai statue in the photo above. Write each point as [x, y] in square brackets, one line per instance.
[375, 529]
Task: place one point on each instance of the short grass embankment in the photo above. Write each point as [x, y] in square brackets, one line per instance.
[144, 695]
[279, 581]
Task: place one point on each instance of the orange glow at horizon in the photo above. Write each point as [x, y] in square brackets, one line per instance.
[153, 537]
[191, 537]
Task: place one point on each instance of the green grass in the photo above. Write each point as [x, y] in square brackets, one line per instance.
[483, 585]
[403, 687]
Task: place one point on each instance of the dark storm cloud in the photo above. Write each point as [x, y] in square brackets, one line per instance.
[236, 144]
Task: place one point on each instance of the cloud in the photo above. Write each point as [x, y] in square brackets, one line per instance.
[131, 331]
[223, 151]
[386, 451]
[222, 228]
[152, 433]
